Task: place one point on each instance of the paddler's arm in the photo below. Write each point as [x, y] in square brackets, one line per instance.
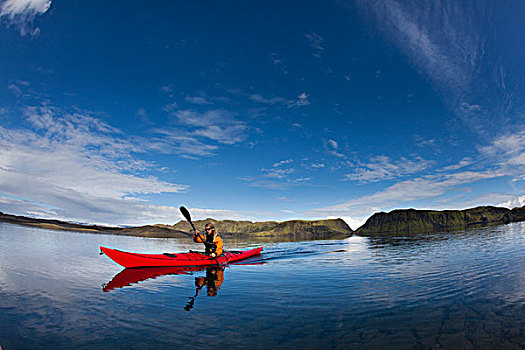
[197, 238]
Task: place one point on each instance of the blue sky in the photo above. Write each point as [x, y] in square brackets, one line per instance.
[119, 112]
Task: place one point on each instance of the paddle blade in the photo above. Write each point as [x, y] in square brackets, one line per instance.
[186, 213]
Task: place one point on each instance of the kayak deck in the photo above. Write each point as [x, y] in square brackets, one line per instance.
[130, 260]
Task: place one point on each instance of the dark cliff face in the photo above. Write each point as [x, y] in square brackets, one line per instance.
[411, 221]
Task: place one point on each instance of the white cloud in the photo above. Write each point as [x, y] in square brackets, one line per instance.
[278, 173]
[180, 142]
[425, 187]
[302, 100]
[271, 101]
[219, 125]
[279, 170]
[277, 177]
[515, 201]
[462, 163]
[317, 165]
[198, 100]
[445, 41]
[316, 43]
[383, 168]
[508, 152]
[167, 89]
[278, 62]
[420, 141]
[282, 162]
[15, 89]
[220, 214]
[332, 148]
[22, 13]
[510, 144]
[79, 166]
[355, 222]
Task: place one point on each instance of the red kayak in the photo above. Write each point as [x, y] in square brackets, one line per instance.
[129, 260]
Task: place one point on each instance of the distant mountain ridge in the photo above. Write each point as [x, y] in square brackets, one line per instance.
[315, 229]
[395, 223]
[294, 229]
[412, 221]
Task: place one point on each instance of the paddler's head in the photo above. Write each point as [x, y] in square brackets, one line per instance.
[209, 229]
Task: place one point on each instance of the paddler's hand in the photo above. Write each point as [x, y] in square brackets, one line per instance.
[213, 255]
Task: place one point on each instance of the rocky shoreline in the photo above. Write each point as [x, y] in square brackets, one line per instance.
[395, 223]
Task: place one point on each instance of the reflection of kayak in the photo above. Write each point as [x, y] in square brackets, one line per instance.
[128, 259]
[127, 277]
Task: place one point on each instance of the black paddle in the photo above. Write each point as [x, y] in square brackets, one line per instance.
[187, 215]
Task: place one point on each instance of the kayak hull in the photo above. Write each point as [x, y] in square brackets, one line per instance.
[130, 260]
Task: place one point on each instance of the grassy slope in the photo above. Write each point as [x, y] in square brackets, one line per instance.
[410, 221]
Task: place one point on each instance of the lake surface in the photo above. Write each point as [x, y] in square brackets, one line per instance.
[460, 290]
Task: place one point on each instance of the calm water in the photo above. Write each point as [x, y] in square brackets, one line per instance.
[458, 290]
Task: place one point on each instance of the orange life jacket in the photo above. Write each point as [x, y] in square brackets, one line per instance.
[212, 244]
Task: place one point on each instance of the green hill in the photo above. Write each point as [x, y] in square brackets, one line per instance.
[411, 221]
[296, 229]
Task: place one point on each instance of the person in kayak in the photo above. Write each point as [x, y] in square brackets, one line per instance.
[212, 240]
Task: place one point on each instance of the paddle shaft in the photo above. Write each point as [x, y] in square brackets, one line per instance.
[187, 216]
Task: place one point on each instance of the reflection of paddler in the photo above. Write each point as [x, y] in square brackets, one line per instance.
[213, 280]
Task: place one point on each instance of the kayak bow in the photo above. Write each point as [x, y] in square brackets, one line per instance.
[129, 260]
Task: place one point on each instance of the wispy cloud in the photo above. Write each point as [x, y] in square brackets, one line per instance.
[421, 141]
[279, 170]
[271, 101]
[22, 13]
[219, 125]
[461, 164]
[510, 145]
[279, 62]
[504, 157]
[514, 202]
[431, 186]
[444, 40]
[332, 147]
[316, 43]
[302, 100]
[73, 165]
[277, 177]
[311, 165]
[173, 140]
[194, 134]
[221, 214]
[286, 199]
[384, 168]
[508, 152]
[198, 100]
